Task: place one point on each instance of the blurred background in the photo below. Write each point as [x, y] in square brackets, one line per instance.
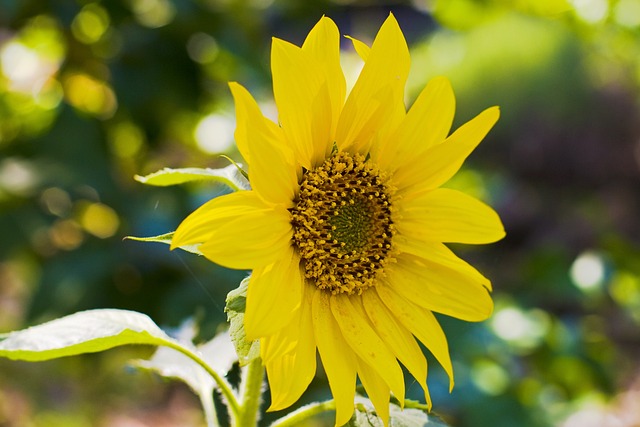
[93, 92]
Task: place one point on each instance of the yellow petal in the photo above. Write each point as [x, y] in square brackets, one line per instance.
[438, 164]
[361, 48]
[439, 254]
[426, 124]
[323, 43]
[366, 343]
[450, 216]
[398, 339]
[289, 376]
[394, 115]
[421, 323]
[338, 359]
[286, 339]
[385, 70]
[290, 373]
[377, 390]
[438, 288]
[272, 171]
[250, 240]
[274, 294]
[301, 92]
[246, 110]
[200, 224]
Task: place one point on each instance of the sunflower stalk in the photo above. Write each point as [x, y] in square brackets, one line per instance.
[251, 392]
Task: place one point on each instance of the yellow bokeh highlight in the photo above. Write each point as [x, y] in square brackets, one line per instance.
[99, 219]
[625, 290]
[90, 24]
[126, 139]
[45, 35]
[153, 13]
[90, 95]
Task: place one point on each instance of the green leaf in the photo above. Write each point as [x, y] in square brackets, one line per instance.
[166, 239]
[219, 353]
[84, 332]
[231, 176]
[365, 416]
[247, 350]
[97, 330]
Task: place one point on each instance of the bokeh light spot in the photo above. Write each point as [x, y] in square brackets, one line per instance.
[66, 234]
[202, 48]
[447, 50]
[593, 417]
[625, 290]
[510, 323]
[153, 13]
[99, 219]
[588, 271]
[56, 201]
[19, 63]
[525, 330]
[490, 377]
[214, 133]
[17, 176]
[90, 95]
[627, 13]
[90, 24]
[591, 11]
[50, 96]
[126, 139]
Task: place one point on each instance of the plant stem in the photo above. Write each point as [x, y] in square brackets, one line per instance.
[251, 392]
[303, 413]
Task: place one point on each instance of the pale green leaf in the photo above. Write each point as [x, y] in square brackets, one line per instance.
[219, 354]
[83, 332]
[365, 416]
[166, 239]
[236, 304]
[231, 176]
[98, 330]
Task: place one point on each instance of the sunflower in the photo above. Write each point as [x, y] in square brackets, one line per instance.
[345, 226]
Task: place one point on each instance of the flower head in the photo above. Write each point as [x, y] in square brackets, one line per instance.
[345, 224]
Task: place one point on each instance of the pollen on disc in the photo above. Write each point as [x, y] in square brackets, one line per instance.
[342, 224]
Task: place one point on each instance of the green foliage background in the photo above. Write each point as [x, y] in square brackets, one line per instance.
[92, 93]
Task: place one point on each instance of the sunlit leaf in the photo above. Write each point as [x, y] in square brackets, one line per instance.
[231, 176]
[365, 416]
[219, 353]
[236, 304]
[83, 332]
[166, 239]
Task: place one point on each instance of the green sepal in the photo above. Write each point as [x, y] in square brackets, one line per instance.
[166, 239]
[231, 175]
[235, 308]
[237, 165]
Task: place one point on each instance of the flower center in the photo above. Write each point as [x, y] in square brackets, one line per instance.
[342, 224]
